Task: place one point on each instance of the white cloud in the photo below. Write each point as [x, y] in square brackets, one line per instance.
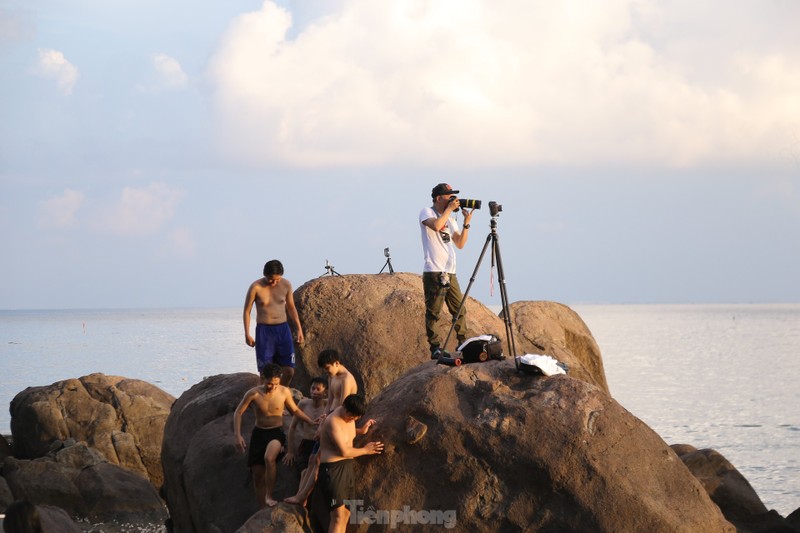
[60, 211]
[170, 73]
[181, 242]
[139, 211]
[53, 65]
[481, 82]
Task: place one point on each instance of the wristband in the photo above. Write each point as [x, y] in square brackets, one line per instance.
[466, 226]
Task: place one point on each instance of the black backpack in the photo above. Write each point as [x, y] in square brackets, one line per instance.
[481, 349]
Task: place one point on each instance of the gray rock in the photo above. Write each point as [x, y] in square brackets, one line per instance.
[511, 452]
[121, 418]
[80, 481]
[730, 490]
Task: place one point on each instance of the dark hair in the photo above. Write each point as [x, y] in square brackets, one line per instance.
[328, 357]
[23, 517]
[319, 380]
[355, 405]
[271, 371]
[272, 268]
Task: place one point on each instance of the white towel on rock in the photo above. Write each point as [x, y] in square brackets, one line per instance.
[548, 365]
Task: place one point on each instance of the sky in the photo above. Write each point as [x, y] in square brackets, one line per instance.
[157, 154]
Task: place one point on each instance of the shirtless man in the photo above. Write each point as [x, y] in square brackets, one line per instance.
[302, 436]
[341, 384]
[274, 301]
[269, 400]
[337, 468]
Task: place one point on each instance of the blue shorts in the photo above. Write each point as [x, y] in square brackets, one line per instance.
[274, 345]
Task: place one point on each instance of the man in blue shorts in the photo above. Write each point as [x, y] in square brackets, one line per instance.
[274, 302]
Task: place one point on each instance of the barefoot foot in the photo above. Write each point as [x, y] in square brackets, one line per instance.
[271, 503]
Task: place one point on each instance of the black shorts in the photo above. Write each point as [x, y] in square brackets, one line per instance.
[258, 443]
[336, 482]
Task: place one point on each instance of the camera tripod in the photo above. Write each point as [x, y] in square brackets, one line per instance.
[491, 239]
[388, 262]
[329, 271]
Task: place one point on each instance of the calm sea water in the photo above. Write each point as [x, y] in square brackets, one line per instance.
[713, 376]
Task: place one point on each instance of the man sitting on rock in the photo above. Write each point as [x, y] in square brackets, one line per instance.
[336, 482]
[302, 437]
[269, 399]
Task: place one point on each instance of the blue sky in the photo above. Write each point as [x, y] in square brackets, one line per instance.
[157, 154]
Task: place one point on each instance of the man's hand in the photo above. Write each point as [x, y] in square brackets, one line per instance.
[288, 459]
[300, 338]
[363, 429]
[374, 448]
[249, 340]
[240, 444]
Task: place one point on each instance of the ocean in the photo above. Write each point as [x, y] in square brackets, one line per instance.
[713, 376]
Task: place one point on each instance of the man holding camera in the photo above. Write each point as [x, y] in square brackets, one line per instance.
[439, 235]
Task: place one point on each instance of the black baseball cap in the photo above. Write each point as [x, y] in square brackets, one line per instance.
[442, 189]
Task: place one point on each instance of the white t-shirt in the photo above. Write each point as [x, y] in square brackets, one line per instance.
[440, 253]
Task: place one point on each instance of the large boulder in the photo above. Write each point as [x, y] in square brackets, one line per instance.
[511, 452]
[377, 323]
[207, 482]
[121, 418]
[81, 481]
[729, 489]
[554, 329]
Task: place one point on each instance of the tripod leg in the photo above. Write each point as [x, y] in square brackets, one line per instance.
[466, 292]
[501, 278]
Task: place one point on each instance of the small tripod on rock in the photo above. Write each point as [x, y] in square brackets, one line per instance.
[388, 262]
[329, 270]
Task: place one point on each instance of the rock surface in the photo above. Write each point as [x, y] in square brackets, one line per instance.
[511, 452]
[81, 481]
[121, 418]
[207, 482]
[377, 323]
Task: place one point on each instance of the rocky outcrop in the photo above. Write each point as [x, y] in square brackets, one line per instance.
[81, 481]
[729, 489]
[554, 329]
[377, 323]
[121, 418]
[511, 452]
[207, 482]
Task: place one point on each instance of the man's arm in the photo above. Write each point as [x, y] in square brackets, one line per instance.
[291, 312]
[249, 300]
[460, 237]
[291, 445]
[437, 223]
[363, 429]
[340, 442]
[292, 408]
[237, 419]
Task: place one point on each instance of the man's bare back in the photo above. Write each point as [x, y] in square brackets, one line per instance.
[341, 385]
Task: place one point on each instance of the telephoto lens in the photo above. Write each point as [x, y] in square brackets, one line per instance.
[469, 203]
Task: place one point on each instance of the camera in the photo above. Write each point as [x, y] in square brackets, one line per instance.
[494, 209]
[467, 203]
